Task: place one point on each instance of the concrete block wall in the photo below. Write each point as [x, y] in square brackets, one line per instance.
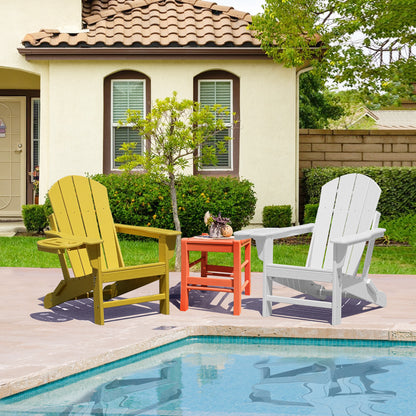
[356, 148]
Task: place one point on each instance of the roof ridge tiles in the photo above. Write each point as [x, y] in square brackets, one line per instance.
[133, 4]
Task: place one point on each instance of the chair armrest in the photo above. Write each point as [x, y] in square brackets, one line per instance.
[151, 232]
[167, 238]
[348, 240]
[264, 238]
[274, 233]
[55, 245]
[341, 247]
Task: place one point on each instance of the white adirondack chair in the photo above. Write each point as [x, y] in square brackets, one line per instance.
[346, 221]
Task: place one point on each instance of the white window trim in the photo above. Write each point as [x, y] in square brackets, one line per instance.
[114, 124]
[229, 125]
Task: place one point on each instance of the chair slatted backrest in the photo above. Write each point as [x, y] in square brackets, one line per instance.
[347, 206]
[81, 208]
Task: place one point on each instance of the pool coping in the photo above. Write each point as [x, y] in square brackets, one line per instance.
[52, 374]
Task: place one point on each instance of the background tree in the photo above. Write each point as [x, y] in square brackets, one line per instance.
[318, 106]
[367, 45]
[177, 133]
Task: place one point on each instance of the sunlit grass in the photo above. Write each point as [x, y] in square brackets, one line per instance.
[21, 251]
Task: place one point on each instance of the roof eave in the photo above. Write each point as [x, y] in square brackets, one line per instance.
[65, 53]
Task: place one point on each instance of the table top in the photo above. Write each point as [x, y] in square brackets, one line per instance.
[205, 239]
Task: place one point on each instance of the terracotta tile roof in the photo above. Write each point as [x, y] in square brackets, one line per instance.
[153, 23]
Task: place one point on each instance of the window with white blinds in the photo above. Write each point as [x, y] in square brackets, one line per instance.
[125, 94]
[213, 92]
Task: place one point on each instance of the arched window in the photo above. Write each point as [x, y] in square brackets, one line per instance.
[122, 91]
[221, 87]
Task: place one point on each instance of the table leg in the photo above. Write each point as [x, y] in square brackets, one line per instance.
[204, 262]
[237, 277]
[184, 276]
[247, 268]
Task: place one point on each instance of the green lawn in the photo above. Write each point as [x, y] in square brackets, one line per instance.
[21, 251]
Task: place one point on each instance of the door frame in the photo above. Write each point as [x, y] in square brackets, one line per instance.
[28, 95]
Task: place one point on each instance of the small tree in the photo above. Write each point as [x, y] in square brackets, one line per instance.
[177, 133]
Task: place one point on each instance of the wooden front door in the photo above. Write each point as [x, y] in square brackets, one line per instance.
[12, 156]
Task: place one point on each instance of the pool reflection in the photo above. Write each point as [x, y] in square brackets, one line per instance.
[323, 384]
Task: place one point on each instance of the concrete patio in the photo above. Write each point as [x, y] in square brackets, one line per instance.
[39, 345]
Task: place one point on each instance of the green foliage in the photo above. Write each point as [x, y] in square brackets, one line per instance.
[357, 43]
[174, 130]
[317, 105]
[398, 186]
[401, 229]
[34, 218]
[309, 215]
[276, 216]
[138, 200]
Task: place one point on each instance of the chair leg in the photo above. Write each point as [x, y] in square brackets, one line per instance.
[267, 291]
[98, 301]
[336, 299]
[70, 289]
[164, 288]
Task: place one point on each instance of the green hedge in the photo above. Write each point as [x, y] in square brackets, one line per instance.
[277, 216]
[138, 200]
[309, 215]
[398, 186]
[34, 218]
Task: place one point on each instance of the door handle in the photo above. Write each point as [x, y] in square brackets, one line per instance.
[19, 148]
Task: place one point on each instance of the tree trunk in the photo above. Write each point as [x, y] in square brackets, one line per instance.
[175, 221]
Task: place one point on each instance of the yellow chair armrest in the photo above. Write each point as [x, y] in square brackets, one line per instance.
[54, 245]
[151, 232]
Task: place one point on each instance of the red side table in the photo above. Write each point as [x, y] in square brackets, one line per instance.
[216, 278]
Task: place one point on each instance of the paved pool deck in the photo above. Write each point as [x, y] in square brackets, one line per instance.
[39, 345]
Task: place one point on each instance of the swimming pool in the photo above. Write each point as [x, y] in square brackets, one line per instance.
[220, 376]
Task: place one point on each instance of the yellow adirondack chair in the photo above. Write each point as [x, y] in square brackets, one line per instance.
[82, 228]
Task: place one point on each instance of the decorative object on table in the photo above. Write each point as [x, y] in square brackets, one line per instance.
[218, 226]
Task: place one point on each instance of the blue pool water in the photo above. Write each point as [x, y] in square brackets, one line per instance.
[219, 376]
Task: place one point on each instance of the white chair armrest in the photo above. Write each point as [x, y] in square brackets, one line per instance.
[274, 233]
[347, 240]
[264, 238]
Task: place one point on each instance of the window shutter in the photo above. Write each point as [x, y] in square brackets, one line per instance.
[126, 95]
[219, 92]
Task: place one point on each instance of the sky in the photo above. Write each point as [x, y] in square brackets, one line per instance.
[251, 6]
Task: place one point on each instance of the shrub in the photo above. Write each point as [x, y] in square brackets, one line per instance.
[277, 216]
[137, 199]
[398, 196]
[310, 212]
[402, 229]
[34, 218]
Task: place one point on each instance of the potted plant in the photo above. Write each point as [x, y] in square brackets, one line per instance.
[218, 226]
